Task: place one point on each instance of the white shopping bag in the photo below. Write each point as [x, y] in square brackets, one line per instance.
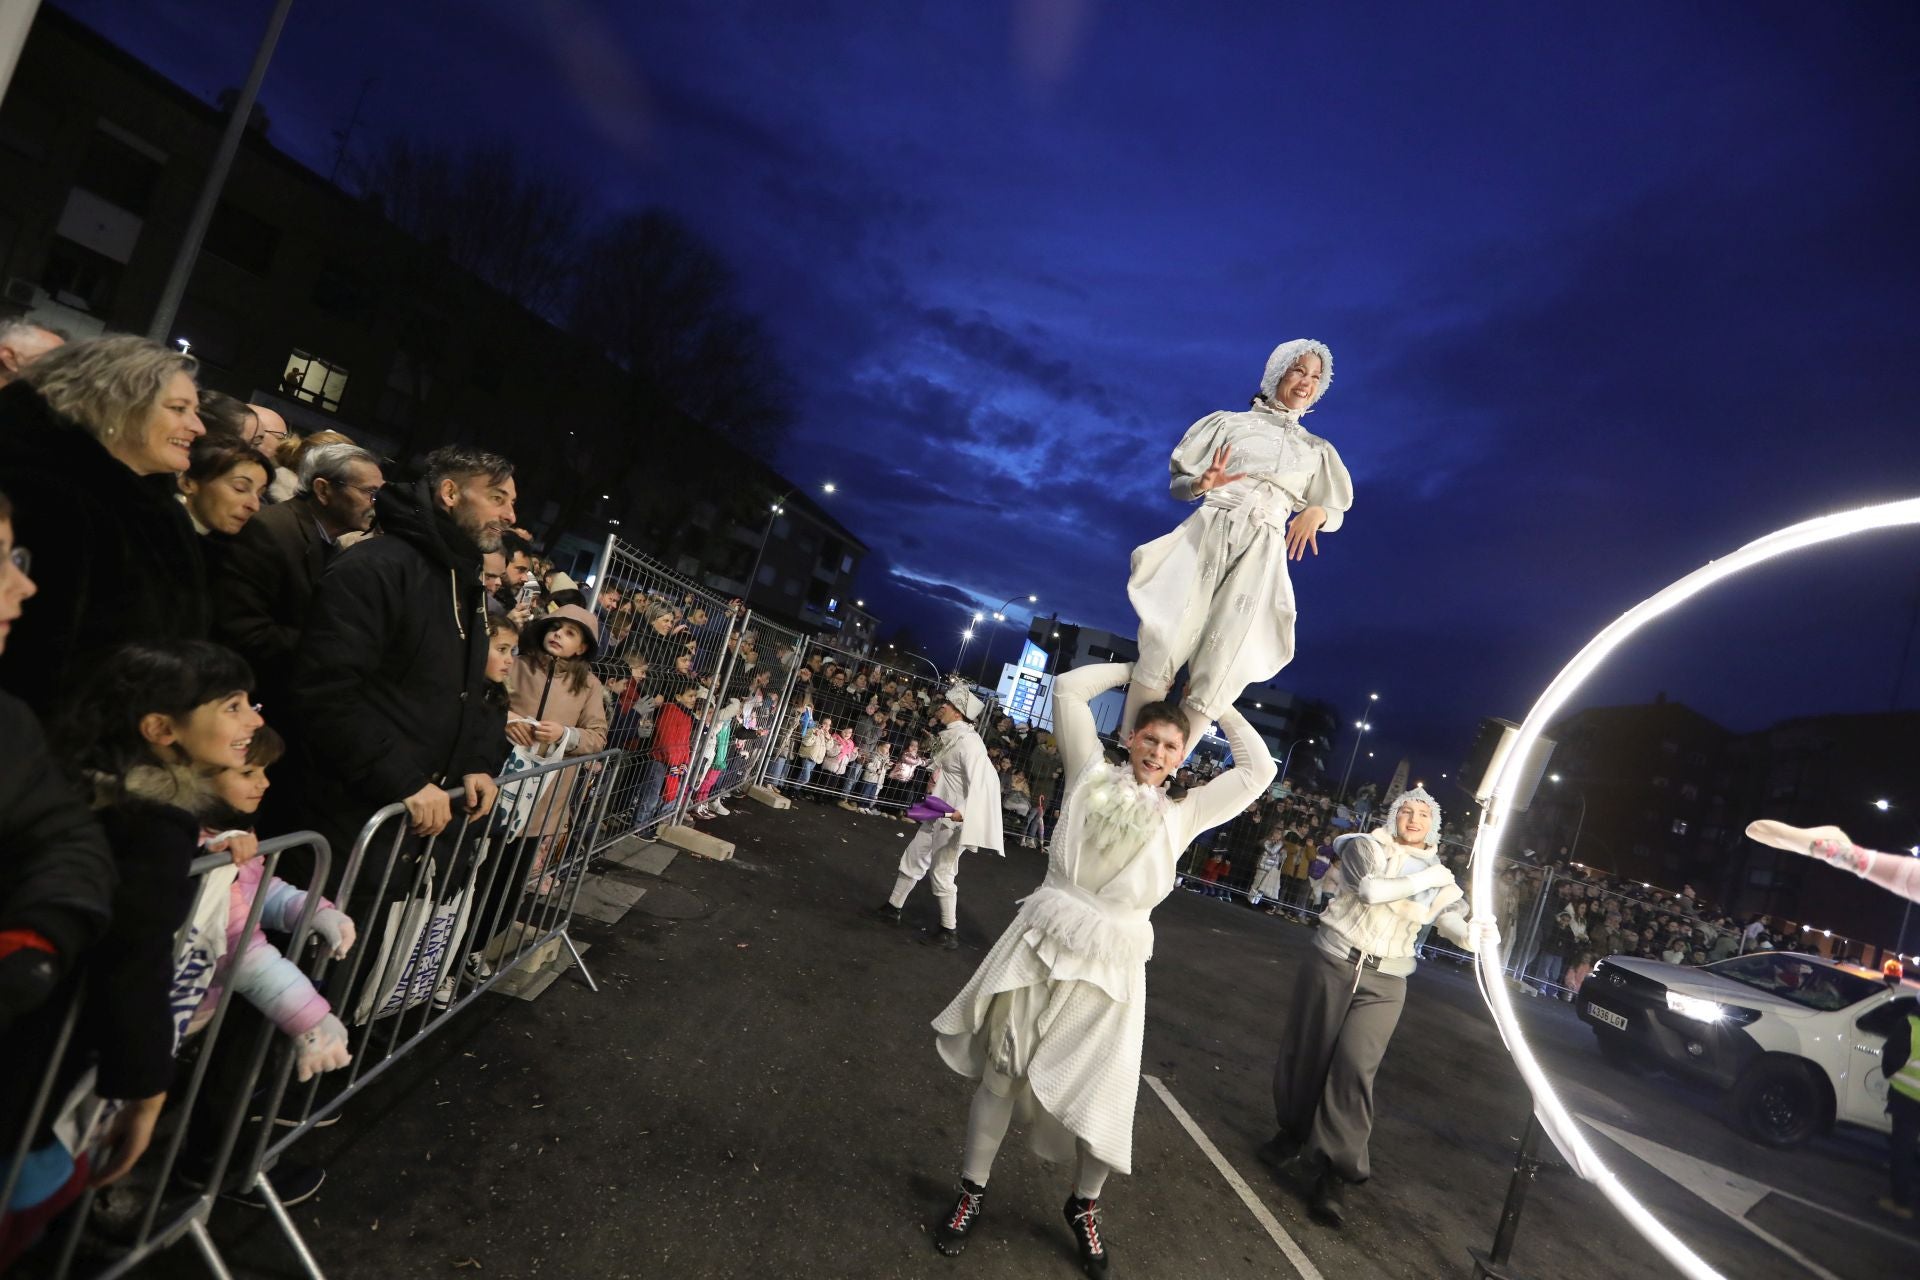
[413, 947]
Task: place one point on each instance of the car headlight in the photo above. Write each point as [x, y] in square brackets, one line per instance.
[1701, 1010]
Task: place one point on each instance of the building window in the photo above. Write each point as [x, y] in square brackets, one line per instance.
[78, 276]
[27, 126]
[340, 290]
[242, 239]
[314, 380]
[846, 564]
[119, 173]
[767, 575]
[409, 383]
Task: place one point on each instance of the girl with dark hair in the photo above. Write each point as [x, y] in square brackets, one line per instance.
[144, 733]
[556, 708]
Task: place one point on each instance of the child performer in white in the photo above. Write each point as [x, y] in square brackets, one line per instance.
[1054, 1017]
[1214, 594]
[964, 778]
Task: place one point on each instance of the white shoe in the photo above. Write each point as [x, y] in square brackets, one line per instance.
[720, 809]
[703, 813]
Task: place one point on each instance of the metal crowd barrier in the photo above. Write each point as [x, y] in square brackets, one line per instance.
[108, 1232]
[501, 888]
[661, 625]
[909, 709]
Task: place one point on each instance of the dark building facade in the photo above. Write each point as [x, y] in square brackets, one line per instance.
[306, 299]
[1662, 794]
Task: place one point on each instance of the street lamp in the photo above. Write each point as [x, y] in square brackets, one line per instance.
[1883, 805]
[1363, 726]
[1286, 761]
[999, 616]
[966, 638]
[920, 657]
[1573, 850]
[778, 508]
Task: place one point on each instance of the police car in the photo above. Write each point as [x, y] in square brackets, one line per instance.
[1794, 1040]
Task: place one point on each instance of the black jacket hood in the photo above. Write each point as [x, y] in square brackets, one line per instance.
[411, 513]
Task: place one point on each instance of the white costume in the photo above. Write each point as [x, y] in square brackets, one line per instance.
[1057, 1010]
[1214, 594]
[965, 779]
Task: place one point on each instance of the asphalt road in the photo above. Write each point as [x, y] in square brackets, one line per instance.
[754, 1092]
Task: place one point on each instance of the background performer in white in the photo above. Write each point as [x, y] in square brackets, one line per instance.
[964, 778]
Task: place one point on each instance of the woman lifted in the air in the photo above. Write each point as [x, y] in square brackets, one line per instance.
[1214, 594]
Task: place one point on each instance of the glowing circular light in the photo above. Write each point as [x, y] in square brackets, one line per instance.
[1554, 1116]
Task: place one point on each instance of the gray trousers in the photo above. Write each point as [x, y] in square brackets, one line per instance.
[1335, 1037]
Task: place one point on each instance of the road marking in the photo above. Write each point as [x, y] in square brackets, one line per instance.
[1301, 1262]
[1733, 1194]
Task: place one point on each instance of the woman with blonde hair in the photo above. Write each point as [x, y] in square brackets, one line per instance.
[85, 433]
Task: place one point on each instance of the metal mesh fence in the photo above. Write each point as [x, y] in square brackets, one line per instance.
[855, 732]
[666, 650]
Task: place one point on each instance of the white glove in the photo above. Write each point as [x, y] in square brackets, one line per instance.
[1829, 844]
[335, 929]
[1483, 932]
[1437, 876]
[324, 1048]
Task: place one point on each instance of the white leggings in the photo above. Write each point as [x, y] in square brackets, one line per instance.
[987, 1119]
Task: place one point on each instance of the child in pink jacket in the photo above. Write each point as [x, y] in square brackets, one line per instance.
[268, 980]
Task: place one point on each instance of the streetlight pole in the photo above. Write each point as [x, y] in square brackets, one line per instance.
[919, 658]
[999, 616]
[966, 638]
[1287, 761]
[778, 509]
[1363, 726]
[1573, 850]
[188, 250]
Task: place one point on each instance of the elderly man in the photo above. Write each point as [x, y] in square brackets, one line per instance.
[964, 780]
[21, 343]
[1348, 995]
[269, 576]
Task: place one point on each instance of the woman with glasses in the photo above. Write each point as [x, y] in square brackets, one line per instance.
[91, 437]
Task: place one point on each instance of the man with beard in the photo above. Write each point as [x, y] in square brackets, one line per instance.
[389, 684]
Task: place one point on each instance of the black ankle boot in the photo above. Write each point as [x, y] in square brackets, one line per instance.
[950, 1236]
[1330, 1199]
[1277, 1150]
[886, 913]
[1083, 1219]
[945, 939]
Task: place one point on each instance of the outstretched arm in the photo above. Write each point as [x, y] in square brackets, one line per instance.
[1252, 773]
[1073, 728]
[1891, 871]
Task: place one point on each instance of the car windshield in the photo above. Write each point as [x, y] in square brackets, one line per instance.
[1800, 979]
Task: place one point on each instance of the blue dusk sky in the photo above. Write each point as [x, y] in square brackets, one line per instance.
[1610, 289]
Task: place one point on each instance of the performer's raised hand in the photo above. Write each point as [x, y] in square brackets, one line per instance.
[1217, 474]
[1302, 531]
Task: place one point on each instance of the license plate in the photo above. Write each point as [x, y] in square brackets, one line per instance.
[1607, 1016]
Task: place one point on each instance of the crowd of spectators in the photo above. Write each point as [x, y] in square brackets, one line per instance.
[191, 596]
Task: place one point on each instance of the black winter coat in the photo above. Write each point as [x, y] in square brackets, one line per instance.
[114, 554]
[265, 584]
[56, 875]
[389, 684]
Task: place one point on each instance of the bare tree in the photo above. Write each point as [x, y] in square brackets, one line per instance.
[486, 210]
[659, 301]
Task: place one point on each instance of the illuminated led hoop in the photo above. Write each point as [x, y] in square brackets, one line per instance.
[1554, 1117]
